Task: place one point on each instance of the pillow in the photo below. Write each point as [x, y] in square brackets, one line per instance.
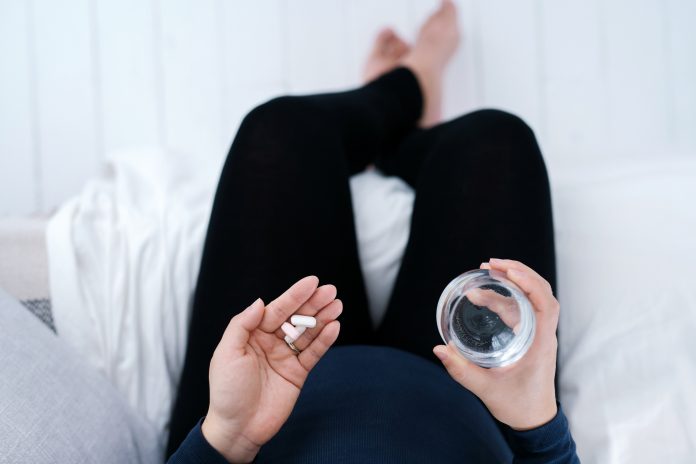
[56, 408]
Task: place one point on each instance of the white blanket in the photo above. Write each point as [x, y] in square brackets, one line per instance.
[123, 262]
[124, 257]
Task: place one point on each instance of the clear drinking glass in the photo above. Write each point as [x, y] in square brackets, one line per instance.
[487, 316]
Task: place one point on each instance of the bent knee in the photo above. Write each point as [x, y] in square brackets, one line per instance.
[493, 124]
[489, 137]
[491, 129]
[280, 132]
[280, 117]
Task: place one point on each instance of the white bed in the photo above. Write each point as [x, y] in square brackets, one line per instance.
[124, 258]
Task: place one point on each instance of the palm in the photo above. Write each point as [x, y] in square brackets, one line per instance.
[254, 385]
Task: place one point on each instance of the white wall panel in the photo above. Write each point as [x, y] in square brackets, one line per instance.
[462, 86]
[680, 20]
[18, 161]
[253, 57]
[317, 46]
[130, 69]
[510, 64]
[574, 91]
[636, 76]
[418, 10]
[80, 78]
[192, 65]
[66, 101]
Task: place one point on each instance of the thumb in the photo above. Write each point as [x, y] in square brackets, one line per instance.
[240, 327]
[472, 377]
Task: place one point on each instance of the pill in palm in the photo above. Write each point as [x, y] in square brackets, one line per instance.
[304, 321]
[290, 331]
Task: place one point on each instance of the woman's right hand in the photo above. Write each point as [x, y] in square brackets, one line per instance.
[521, 395]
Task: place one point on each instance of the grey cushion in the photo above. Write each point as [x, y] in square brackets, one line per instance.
[56, 408]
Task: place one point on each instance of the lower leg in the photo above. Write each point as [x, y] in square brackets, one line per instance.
[372, 119]
[482, 192]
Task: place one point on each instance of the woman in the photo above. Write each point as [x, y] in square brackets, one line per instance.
[283, 211]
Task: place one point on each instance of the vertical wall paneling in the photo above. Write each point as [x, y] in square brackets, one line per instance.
[572, 76]
[130, 69]
[364, 19]
[193, 79]
[418, 10]
[18, 163]
[253, 57]
[317, 47]
[510, 58]
[680, 17]
[636, 95]
[65, 98]
[81, 78]
[461, 86]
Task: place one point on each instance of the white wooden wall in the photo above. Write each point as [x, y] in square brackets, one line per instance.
[80, 78]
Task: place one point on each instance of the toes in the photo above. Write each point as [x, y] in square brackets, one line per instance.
[400, 47]
[447, 6]
[385, 34]
[395, 47]
[384, 37]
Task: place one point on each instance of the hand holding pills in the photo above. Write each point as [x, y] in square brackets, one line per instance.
[521, 395]
[255, 377]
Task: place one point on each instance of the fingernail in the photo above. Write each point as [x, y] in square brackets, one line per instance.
[256, 301]
[513, 273]
[495, 261]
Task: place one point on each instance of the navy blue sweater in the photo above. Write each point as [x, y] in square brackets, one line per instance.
[380, 405]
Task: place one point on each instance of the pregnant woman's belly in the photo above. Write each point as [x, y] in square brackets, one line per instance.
[365, 404]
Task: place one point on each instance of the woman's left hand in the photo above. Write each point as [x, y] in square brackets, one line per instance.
[255, 378]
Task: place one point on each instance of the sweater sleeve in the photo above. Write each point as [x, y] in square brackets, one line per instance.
[196, 450]
[550, 443]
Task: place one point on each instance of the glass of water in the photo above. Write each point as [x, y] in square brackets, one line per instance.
[487, 316]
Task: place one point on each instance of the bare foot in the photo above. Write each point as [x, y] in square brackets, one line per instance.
[388, 50]
[437, 41]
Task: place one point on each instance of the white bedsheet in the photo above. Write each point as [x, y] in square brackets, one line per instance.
[124, 257]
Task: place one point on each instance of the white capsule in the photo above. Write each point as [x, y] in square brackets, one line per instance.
[303, 321]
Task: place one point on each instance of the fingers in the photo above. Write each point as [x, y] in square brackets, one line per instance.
[280, 309]
[504, 307]
[322, 296]
[509, 264]
[472, 377]
[536, 287]
[327, 314]
[319, 346]
[238, 330]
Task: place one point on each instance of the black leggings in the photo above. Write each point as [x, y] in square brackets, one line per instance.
[283, 211]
